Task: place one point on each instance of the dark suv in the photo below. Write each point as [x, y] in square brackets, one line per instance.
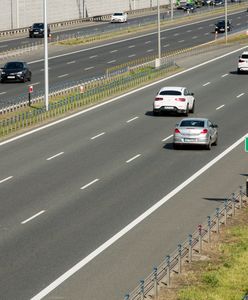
[220, 26]
[16, 71]
[37, 29]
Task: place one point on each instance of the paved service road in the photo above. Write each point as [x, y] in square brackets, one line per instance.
[93, 61]
[67, 189]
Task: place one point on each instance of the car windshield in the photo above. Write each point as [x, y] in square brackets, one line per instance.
[170, 93]
[118, 14]
[192, 123]
[14, 65]
[221, 23]
[38, 25]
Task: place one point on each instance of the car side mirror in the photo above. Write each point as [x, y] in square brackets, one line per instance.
[192, 94]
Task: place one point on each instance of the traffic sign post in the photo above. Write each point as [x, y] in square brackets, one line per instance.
[246, 144]
[30, 91]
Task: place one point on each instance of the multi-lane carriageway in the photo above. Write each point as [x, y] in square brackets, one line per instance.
[69, 191]
[86, 62]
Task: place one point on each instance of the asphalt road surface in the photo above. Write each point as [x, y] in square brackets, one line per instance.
[88, 62]
[67, 189]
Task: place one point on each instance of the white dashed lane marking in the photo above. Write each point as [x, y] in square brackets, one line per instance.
[240, 95]
[2, 93]
[205, 84]
[5, 179]
[96, 136]
[112, 61]
[133, 158]
[71, 62]
[132, 46]
[56, 155]
[132, 55]
[167, 138]
[93, 56]
[148, 42]
[64, 75]
[132, 119]
[181, 41]
[89, 68]
[220, 107]
[113, 51]
[88, 184]
[150, 50]
[34, 216]
[224, 75]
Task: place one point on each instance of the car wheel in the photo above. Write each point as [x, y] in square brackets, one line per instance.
[176, 146]
[156, 113]
[186, 111]
[193, 108]
[29, 78]
[238, 71]
[209, 145]
[216, 141]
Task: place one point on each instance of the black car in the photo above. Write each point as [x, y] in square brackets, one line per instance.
[220, 26]
[37, 30]
[16, 71]
[218, 2]
[188, 7]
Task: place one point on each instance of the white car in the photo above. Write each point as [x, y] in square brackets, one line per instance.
[119, 17]
[174, 99]
[243, 62]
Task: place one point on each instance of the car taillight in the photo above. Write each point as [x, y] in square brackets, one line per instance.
[204, 131]
[158, 99]
[241, 60]
[180, 99]
[177, 131]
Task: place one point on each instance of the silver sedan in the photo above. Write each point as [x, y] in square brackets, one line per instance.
[195, 131]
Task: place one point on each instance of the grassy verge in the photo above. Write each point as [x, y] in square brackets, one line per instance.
[220, 273]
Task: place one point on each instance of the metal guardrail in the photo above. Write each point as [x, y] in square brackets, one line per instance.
[149, 287]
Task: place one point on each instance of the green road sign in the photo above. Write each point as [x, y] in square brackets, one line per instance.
[246, 144]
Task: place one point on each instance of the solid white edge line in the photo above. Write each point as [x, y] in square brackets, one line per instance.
[119, 97]
[96, 136]
[167, 138]
[5, 179]
[131, 159]
[131, 225]
[219, 107]
[56, 155]
[128, 121]
[34, 216]
[88, 184]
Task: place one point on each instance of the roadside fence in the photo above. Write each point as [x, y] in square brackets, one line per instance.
[84, 95]
[192, 246]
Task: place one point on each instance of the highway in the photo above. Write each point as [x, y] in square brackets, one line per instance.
[67, 189]
[86, 62]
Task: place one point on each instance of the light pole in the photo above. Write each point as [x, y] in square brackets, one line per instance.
[45, 54]
[226, 21]
[159, 40]
[172, 11]
[17, 14]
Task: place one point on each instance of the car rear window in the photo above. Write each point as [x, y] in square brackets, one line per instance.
[192, 123]
[14, 65]
[170, 93]
[38, 25]
[244, 56]
[118, 14]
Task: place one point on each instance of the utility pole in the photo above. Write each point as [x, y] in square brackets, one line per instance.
[46, 55]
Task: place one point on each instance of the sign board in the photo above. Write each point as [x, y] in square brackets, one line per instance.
[30, 89]
[246, 144]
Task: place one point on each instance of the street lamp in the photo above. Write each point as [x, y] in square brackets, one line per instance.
[45, 54]
[226, 21]
[159, 40]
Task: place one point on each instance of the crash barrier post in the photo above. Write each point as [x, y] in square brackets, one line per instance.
[184, 252]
